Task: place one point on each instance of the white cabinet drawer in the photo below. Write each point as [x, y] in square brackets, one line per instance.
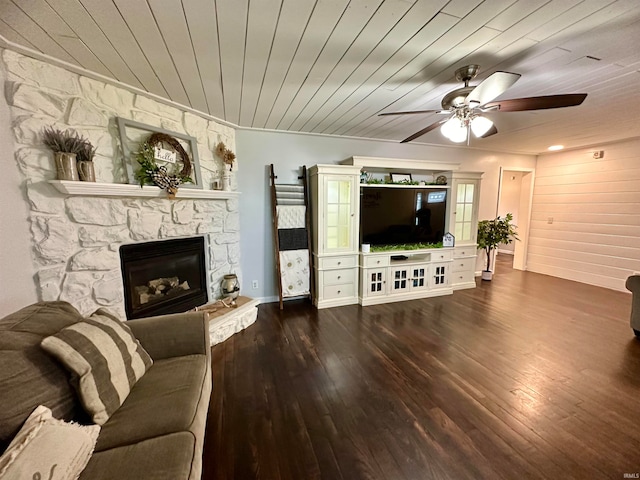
[464, 264]
[347, 261]
[338, 291]
[441, 256]
[462, 277]
[337, 277]
[464, 251]
[376, 261]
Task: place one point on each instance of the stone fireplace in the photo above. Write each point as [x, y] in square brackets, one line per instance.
[163, 277]
[77, 229]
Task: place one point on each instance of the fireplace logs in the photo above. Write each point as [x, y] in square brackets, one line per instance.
[159, 288]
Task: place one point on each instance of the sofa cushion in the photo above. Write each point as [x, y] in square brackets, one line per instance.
[46, 448]
[29, 376]
[104, 357]
[31, 324]
[169, 457]
[164, 401]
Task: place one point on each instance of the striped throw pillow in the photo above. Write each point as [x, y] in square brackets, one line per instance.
[105, 359]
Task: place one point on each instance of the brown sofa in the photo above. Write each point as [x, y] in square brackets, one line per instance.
[158, 432]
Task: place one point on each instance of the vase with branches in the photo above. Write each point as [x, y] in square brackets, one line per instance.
[492, 233]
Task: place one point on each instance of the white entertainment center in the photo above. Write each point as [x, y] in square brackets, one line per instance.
[344, 275]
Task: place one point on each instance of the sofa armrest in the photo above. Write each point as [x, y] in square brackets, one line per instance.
[174, 335]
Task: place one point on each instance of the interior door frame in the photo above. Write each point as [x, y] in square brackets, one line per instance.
[524, 212]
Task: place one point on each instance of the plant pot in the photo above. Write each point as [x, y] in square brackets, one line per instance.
[66, 168]
[86, 171]
[487, 275]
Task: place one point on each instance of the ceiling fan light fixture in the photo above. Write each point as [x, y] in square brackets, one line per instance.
[450, 127]
[459, 136]
[455, 130]
[480, 125]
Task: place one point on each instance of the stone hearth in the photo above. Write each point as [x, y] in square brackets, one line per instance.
[224, 322]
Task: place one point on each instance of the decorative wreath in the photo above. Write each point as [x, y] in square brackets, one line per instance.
[152, 174]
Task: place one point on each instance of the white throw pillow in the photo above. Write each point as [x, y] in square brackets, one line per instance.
[47, 448]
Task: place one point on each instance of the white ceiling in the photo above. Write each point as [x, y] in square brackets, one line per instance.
[330, 66]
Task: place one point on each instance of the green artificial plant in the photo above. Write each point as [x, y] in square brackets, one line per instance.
[492, 233]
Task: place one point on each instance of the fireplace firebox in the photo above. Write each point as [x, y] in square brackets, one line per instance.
[163, 277]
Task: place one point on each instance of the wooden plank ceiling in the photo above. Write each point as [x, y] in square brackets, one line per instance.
[330, 66]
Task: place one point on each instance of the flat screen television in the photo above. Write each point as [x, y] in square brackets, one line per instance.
[391, 216]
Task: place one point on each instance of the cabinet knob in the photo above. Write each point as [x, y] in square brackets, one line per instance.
[339, 263]
[339, 291]
[339, 277]
[378, 261]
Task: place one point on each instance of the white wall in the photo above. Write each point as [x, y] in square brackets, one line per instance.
[257, 149]
[586, 215]
[16, 267]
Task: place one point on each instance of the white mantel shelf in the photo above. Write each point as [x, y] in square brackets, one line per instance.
[96, 189]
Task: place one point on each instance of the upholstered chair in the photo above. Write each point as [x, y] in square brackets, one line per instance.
[633, 285]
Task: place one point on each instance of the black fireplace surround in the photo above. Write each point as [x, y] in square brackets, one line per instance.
[163, 277]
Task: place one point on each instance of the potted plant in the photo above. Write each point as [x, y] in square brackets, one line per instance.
[492, 233]
[68, 147]
[84, 160]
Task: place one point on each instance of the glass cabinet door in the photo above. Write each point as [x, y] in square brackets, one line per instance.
[376, 280]
[465, 229]
[339, 214]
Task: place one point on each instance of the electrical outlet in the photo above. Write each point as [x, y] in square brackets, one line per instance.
[254, 284]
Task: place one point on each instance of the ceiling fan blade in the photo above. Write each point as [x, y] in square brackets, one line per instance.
[492, 131]
[433, 126]
[537, 103]
[408, 113]
[491, 87]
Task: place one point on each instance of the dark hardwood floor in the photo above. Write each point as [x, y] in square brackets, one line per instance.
[527, 376]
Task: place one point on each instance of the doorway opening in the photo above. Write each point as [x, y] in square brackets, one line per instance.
[515, 195]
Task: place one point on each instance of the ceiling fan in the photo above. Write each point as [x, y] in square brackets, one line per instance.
[465, 106]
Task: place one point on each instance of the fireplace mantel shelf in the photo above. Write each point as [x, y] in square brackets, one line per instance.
[96, 189]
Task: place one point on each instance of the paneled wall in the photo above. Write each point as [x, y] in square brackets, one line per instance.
[585, 223]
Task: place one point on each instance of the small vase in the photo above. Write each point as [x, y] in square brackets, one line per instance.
[230, 287]
[66, 168]
[86, 171]
[226, 182]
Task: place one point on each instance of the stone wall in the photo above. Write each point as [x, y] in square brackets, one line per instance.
[76, 239]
